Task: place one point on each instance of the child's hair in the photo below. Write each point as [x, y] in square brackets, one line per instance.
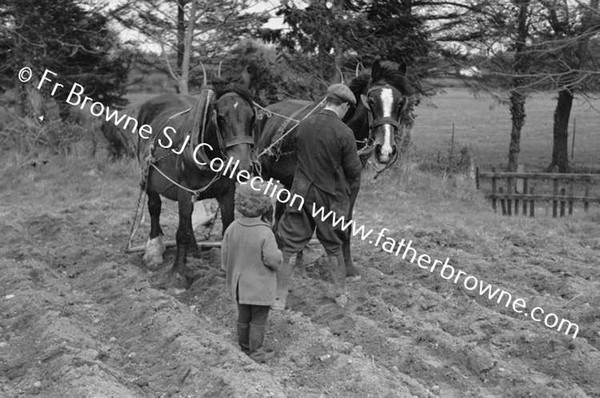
[251, 202]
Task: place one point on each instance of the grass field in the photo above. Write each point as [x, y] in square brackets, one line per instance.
[485, 125]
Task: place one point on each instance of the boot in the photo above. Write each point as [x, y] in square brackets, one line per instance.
[337, 270]
[284, 277]
[243, 332]
[352, 274]
[257, 336]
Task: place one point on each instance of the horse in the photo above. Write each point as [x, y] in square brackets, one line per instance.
[121, 143]
[382, 100]
[192, 140]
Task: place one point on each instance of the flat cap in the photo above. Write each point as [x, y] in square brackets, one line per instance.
[341, 92]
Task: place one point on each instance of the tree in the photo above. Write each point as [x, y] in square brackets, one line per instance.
[72, 41]
[516, 94]
[332, 34]
[210, 29]
[574, 67]
[529, 45]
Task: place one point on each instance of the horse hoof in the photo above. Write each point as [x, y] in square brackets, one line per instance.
[153, 256]
[342, 300]
[153, 262]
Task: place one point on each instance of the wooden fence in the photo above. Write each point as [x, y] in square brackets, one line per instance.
[514, 192]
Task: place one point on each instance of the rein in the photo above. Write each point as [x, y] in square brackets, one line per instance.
[267, 150]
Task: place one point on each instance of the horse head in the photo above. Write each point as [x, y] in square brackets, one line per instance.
[233, 115]
[382, 99]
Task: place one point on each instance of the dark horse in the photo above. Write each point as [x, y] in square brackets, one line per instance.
[194, 140]
[382, 97]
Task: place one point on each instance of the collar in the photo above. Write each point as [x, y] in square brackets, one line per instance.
[329, 112]
[252, 221]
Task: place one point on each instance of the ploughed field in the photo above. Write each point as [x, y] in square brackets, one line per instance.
[81, 318]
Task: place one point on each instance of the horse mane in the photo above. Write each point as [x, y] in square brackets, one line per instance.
[223, 86]
[358, 85]
[389, 73]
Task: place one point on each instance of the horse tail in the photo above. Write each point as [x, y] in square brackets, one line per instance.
[142, 145]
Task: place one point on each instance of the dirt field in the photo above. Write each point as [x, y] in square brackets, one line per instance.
[80, 318]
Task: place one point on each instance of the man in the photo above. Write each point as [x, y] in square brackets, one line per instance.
[327, 175]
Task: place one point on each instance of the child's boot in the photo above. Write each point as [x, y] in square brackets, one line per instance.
[243, 331]
[257, 336]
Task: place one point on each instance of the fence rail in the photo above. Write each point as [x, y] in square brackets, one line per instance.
[518, 194]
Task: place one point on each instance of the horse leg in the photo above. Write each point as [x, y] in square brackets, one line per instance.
[185, 236]
[279, 210]
[227, 204]
[155, 248]
[351, 272]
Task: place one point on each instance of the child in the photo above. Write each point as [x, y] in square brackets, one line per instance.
[250, 258]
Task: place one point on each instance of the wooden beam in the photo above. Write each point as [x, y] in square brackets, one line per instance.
[549, 176]
[201, 244]
[542, 197]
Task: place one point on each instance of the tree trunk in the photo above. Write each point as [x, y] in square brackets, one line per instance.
[180, 32]
[560, 146]
[560, 153]
[187, 53]
[517, 112]
[517, 98]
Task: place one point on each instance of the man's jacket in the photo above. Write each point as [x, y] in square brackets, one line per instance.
[327, 159]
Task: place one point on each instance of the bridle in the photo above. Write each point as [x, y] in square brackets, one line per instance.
[370, 145]
[226, 143]
[375, 123]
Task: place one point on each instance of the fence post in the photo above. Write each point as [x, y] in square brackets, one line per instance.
[525, 191]
[586, 204]
[555, 193]
[509, 190]
[531, 204]
[494, 189]
[563, 194]
[571, 197]
[502, 201]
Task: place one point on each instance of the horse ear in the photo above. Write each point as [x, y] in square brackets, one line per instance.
[246, 77]
[402, 68]
[365, 101]
[376, 70]
[339, 71]
[359, 69]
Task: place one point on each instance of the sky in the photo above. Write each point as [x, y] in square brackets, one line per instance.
[274, 22]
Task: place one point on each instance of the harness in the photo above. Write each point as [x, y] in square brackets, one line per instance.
[151, 160]
[369, 147]
[200, 133]
[281, 133]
